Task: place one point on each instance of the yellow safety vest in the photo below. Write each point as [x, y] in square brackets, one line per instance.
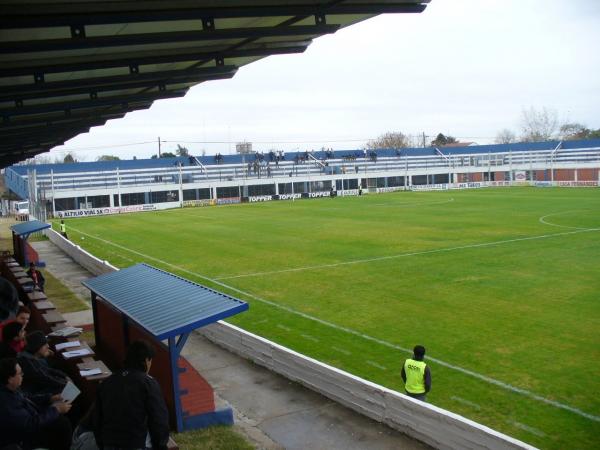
[63, 228]
[415, 376]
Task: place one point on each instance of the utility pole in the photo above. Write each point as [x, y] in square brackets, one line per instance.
[159, 147]
[423, 139]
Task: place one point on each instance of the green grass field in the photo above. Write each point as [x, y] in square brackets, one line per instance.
[501, 285]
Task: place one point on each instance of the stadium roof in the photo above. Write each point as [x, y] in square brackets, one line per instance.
[26, 228]
[163, 304]
[67, 66]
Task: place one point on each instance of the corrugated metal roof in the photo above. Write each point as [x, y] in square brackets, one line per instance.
[164, 304]
[29, 227]
[68, 66]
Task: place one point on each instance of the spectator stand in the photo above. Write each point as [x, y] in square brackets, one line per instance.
[143, 302]
[23, 252]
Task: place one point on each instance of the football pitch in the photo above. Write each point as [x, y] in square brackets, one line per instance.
[502, 286]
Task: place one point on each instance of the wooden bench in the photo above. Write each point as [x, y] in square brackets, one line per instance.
[35, 296]
[43, 305]
[51, 319]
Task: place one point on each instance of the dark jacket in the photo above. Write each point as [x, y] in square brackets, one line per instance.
[22, 418]
[129, 404]
[39, 377]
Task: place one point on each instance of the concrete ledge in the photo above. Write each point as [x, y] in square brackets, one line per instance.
[427, 423]
[79, 255]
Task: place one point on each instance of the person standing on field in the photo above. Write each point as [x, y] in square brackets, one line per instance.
[63, 229]
[416, 375]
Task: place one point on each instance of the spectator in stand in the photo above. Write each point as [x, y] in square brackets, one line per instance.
[36, 276]
[13, 340]
[39, 377]
[130, 411]
[22, 317]
[9, 300]
[26, 423]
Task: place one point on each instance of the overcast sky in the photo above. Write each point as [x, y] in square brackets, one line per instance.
[463, 67]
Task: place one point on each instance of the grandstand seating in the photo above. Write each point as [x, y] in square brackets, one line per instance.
[45, 317]
[173, 180]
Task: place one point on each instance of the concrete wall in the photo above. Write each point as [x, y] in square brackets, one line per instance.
[427, 423]
[430, 424]
[79, 255]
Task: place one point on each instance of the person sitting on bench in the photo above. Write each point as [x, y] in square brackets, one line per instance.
[130, 411]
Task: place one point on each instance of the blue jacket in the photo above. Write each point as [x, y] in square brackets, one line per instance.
[22, 418]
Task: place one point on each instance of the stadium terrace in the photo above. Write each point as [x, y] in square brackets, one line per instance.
[109, 187]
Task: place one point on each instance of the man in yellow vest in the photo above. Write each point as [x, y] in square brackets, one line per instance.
[416, 375]
[63, 229]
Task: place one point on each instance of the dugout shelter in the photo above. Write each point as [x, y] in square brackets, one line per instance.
[143, 302]
[22, 251]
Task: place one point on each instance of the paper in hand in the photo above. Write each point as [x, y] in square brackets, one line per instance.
[70, 392]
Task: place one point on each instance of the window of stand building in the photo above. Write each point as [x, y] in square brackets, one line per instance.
[64, 204]
[395, 181]
[196, 194]
[164, 196]
[320, 186]
[261, 189]
[136, 198]
[99, 201]
[228, 192]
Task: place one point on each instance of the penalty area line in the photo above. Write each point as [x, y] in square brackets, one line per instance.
[462, 370]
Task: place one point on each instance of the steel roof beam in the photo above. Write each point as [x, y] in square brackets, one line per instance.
[78, 43]
[32, 17]
[62, 119]
[45, 129]
[157, 57]
[91, 103]
[114, 83]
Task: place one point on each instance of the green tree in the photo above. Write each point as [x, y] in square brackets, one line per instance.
[164, 155]
[538, 125]
[69, 158]
[391, 139]
[182, 151]
[505, 136]
[441, 140]
[108, 158]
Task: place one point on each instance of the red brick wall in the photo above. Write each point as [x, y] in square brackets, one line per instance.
[587, 174]
[564, 175]
[500, 176]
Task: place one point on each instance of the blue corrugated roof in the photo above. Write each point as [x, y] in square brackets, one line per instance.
[164, 304]
[29, 227]
[209, 160]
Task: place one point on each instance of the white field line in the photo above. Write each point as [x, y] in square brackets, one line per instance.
[374, 364]
[341, 350]
[283, 327]
[462, 370]
[542, 220]
[465, 402]
[404, 255]
[413, 204]
[309, 337]
[531, 430]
